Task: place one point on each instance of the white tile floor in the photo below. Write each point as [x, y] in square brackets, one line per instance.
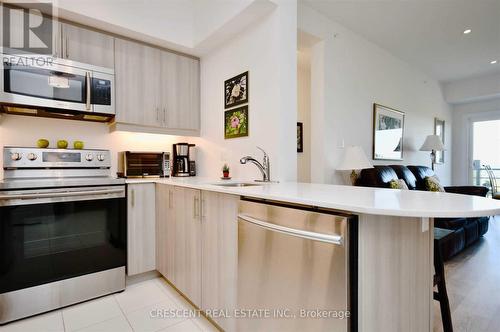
[124, 312]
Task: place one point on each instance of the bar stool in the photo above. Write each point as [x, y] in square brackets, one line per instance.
[439, 279]
[493, 182]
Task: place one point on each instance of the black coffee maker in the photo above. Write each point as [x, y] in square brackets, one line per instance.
[180, 159]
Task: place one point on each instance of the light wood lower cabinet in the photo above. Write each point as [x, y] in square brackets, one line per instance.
[197, 245]
[165, 231]
[219, 254]
[141, 218]
[179, 238]
[187, 267]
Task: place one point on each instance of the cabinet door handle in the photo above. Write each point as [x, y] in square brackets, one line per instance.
[196, 207]
[132, 198]
[170, 199]
[203, 214]
[62, 41]
[67, 47]
[157, 114]
[165, 116]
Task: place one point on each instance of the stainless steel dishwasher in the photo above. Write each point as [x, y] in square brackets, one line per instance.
[293, 268]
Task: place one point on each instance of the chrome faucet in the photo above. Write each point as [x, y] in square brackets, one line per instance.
[265, 167]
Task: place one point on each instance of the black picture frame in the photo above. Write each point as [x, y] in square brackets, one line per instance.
[300, 137]
[231, 101]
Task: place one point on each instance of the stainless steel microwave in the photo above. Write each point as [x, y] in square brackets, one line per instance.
[39, 81]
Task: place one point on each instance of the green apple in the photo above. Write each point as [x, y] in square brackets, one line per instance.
[78, 145]
[42, 143]
[62, 144]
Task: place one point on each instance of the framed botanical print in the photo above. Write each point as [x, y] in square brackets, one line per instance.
[236, 122]
[300, 137]
[236, 90]
[439, 130]
[388, 133]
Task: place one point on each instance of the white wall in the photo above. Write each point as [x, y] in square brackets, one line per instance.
[472, 89]
[154, 21]
[267, 50]
[190, 26]
[210, 15]
[463, 114]
[350, 74]
[304, 114]
[18, 130]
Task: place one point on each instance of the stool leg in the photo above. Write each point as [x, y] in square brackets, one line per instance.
[444, 303]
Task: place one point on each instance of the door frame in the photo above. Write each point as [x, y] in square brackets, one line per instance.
[471, 119]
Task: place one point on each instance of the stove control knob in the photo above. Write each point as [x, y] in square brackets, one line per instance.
[32, 156]
[89, 157]
[16, 156]
[101, 157]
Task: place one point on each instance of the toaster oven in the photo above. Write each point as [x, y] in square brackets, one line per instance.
[143, 164]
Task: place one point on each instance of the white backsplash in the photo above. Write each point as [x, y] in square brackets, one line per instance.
[25, 131]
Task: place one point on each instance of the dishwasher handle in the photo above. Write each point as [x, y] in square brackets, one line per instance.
[333, 239]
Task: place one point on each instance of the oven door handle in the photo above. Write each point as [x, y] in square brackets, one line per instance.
[62, 194]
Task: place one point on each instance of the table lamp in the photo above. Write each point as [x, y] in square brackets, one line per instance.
[432, 143]
[354, 158]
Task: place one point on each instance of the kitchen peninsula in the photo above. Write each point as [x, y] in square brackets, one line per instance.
[392, 273]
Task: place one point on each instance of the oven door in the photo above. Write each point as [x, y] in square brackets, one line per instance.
[47, 235]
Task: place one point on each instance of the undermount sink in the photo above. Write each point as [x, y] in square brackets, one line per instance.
[237, 184]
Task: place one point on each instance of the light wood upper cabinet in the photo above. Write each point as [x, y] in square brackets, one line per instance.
[181, 91]
[219, 254]
[156, 91]
[137, 84]
[141, 224]
[87, 46]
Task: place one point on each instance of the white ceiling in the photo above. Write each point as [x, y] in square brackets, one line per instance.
[426, 33]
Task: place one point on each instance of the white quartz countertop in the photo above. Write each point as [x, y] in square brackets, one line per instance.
[357, 200]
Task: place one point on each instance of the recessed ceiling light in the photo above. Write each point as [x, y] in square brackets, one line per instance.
[493, 62]
[467, 31]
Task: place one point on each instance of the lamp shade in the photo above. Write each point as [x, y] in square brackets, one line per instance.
[432, 142]
[354, 158]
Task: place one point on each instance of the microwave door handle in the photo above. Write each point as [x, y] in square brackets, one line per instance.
[88, 90]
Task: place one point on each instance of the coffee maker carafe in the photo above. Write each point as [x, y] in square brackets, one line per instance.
[180, 159]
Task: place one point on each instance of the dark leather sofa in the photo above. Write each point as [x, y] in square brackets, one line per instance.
[465, 230]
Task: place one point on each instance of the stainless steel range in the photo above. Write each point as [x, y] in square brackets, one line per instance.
[63, 230]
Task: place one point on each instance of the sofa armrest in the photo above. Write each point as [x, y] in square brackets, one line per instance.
[468, 190]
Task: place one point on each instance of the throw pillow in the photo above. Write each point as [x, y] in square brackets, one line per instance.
[432, 184]
[398, 184]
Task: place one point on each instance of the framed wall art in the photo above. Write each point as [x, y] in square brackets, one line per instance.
[236, 91]
[236, 122]
[388, 133]
[439, 130]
